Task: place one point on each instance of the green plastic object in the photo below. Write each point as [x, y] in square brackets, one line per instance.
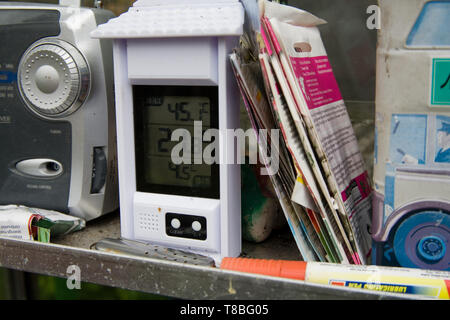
[260, 210]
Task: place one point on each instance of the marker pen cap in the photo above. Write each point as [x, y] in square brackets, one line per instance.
[277, 268]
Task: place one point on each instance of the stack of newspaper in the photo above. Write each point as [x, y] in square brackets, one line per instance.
[288, 86]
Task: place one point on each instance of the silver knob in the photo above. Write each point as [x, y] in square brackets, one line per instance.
[53, 78]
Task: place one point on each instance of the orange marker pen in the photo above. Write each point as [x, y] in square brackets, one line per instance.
[429, 283]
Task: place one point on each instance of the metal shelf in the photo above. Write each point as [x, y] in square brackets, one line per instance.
[167, 278]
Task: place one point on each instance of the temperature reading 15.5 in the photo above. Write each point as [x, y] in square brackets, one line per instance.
[187, 175]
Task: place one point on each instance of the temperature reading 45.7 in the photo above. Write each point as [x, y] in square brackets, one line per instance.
[180, 111]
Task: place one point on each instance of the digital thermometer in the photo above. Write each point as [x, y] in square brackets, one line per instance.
[172, 75]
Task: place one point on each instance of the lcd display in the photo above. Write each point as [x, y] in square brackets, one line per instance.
[158, 112]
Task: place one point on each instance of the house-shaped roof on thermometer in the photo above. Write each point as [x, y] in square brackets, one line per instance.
[175, 18]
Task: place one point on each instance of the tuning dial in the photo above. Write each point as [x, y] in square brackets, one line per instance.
[53, 78]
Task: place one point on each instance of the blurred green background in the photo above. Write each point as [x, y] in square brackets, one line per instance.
[21, 285]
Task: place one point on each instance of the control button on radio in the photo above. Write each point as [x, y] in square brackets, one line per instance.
[40, 168]
[53, 78]
[47, 79]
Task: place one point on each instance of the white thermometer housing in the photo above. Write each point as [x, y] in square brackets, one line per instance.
[171, 69]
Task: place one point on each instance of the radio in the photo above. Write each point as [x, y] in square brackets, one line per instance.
[57, 118]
